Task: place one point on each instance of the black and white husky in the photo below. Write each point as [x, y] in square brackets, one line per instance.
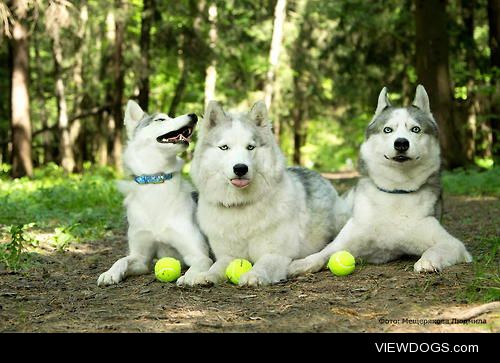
[397, 201]
[160, 209]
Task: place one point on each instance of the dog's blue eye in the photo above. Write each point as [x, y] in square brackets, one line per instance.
[387, 130]
[224, 147]
[415, 129]
[250, 147]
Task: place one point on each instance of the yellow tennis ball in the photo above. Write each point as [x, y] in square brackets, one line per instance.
[341, 263]
[237, 268]
[167, 269]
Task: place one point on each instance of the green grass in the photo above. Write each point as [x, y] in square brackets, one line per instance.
[69, 208]
[485, 286]
[472, 182]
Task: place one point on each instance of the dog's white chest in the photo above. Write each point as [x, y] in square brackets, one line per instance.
[392, 215]
[157, 207]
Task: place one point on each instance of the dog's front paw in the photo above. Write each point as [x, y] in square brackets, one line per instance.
[426, 264]
[198, 279]
[305, 265]
[252, 278]
[110, 277]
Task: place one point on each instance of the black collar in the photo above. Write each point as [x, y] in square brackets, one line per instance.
[396, 191]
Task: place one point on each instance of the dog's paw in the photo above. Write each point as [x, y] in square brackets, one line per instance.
[305, 265]
[253, 279]
[198, 279]
[426, 264]
[110, 277]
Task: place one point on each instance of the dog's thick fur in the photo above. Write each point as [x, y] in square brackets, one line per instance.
[397, 201]
[161, 217]
[267, 214]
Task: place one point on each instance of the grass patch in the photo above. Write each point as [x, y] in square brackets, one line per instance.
[70, 208]
[473, 182]
[485, 287]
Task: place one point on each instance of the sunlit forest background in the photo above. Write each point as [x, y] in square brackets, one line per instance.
[68, 68]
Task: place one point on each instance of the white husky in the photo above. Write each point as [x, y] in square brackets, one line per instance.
[160, 210]
[250, 205]
[397, 200]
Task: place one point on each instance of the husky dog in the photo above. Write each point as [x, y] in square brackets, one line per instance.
[397, 201]
[250, 205]
[160, 209]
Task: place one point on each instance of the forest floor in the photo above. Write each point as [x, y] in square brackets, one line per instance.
[59, 292]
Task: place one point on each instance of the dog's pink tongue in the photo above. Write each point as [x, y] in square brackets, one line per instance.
[240, 183]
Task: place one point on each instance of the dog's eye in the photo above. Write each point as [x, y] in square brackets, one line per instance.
[224, 147]
[387, 130]
[160, 119]
[250, 147]
[415, 129]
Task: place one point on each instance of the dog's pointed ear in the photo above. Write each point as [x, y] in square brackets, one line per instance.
[422, 99]
[258, 114]
[214, 114]
[133, 114]
[383, 101]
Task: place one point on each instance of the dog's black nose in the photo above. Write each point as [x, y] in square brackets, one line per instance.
[193, 117]
[240, 169]
[401, 144]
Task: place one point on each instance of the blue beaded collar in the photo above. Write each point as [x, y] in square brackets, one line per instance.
[153, 178]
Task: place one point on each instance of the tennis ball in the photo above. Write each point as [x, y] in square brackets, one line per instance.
[237, 268]
[341, 263]
[167, 269]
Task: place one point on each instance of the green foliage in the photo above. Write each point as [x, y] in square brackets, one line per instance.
[13, 253]
[472, 182]
[71, 207]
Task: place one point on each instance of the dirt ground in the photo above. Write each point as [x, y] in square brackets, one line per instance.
[60, 294]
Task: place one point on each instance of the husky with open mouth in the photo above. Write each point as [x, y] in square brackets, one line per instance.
[160, 209]
[251, 205]
[397, 201]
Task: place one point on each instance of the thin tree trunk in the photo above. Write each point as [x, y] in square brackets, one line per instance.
[65, 148]
[119, 85]
[76, 129]
[494, 40]
[274, 55]
[300, 108]
[144, 42]
[47, 137]
[433, 73]
[104, 121]
[22, 162]
[471, 104]
[211, 71]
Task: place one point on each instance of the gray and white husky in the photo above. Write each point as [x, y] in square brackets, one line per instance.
[250, 205]
[160, 209]
[397, 201]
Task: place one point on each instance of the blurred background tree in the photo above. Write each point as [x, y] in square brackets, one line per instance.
[68, 68]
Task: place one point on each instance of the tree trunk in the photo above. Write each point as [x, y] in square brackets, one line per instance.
[433, 73]
[471, 104]
[76, 129]
[47, 137]
[22, 162]
[144, 43]
[274, 55]
[104, 121]
[211, 71]
[494, 40]
[65, 148]
[300, 106]
[118, 85]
